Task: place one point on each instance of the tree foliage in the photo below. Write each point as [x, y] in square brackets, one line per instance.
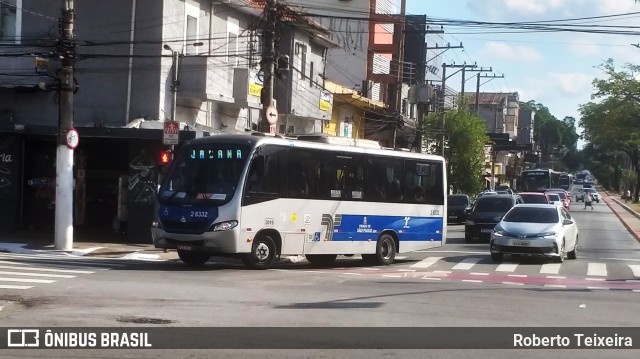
[614, 121]
[466, 139]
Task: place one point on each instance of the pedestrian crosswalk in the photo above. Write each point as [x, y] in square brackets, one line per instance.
[25, 271]
[483, 264]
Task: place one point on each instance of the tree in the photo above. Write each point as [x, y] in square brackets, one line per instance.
[467, 137]
[614, 122]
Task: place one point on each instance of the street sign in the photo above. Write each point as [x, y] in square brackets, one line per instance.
[272, 114]
[171, 133]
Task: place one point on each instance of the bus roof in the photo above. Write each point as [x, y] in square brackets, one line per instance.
[259, 139]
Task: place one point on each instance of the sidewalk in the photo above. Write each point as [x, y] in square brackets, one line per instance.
[108, 246]
[628, 217]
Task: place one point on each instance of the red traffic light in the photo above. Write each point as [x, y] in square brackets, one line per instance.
[165, 157]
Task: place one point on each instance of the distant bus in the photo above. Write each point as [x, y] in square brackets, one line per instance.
[539, 180]
[261, 197]
[565, 181]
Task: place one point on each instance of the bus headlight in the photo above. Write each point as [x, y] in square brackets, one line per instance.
[224, 226]
[156, 224]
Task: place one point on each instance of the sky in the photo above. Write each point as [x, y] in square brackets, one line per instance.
[553, 68]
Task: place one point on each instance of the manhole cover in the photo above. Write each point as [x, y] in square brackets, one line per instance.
[144, 320]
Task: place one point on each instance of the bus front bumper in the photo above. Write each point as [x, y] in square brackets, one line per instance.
[223, 242]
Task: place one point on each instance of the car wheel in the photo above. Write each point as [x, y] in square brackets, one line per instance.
[496, 257]
[321, 259]
[193, 259]
[385, 252]
[574, 253]
[560, 257]
[263, 253]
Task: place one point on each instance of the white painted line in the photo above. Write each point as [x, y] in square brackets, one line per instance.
[597, 269]
[555, 286]
[513, 283]
[25, 280]
[78, 261]
[38, 274]
[465, 252]
[507, 267]
[632, 281]
[476, 273]
[84, 251]
[401, 257]
[597, 288]
[1, 307]
[392, 275]
[353, 273]
[550, 268]
[517, 275]
[15, 286]
[16, 263]
[51, 270]
[442, 271]
[367, 268]
[596, 279]
[431, 278]
[406, 270]
[637, 290]
[556, 277]
[472, 281]
[635, 269]
[466, 264]
[314, 271]
[426, 263]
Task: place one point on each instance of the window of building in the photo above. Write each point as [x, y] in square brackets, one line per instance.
[301, 60]
[10, 21]
[233, 30]
[191, 27]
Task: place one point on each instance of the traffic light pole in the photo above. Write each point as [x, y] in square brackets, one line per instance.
[66, 141]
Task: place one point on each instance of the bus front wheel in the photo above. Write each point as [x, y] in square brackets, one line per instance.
[193, 259]
[263, 253]
[385, 252]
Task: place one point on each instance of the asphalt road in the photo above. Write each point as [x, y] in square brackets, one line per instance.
[455, 286]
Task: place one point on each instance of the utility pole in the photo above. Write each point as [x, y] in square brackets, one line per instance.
[478, 88]
[482, 69]
[67, 138]
[269, 58]
[443, 94]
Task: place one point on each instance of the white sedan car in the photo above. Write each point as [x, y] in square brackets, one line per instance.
[535, 229]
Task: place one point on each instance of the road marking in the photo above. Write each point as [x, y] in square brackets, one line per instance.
[26, 280]
[80, 261]
[476, 273]
[597, 269]
[513, 283]
[555, 286]
[596, 279]
[15, 286]
[401, 257]
[550, 268]
[466, 264]
[556, 277]
[51, 270]
[392, 275]
[367, 268]
[353, 273]
[38, 274]
[472, 281]
[517, 275]
[431, 278]
[507, 267]
[442, 271]
[427, 262]
[313, 271]
[597, 288]
[635, 269]
[465, 252]
[406, 270]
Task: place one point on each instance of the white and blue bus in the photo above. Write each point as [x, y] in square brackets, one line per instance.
[261, 197]
[539, 180]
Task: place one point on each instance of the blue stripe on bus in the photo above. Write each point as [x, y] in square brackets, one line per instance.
[362, 228]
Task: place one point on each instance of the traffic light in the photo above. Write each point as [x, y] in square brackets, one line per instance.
[165, 158]
[621, 169]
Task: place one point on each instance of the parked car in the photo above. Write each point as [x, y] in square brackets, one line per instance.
[592, 191]
[535, 229]
[457, 207]
[486, 212]
[534, 197]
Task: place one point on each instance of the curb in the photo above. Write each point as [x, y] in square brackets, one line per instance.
[627, 226]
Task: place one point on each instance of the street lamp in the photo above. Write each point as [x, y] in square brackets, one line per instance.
[175, 64]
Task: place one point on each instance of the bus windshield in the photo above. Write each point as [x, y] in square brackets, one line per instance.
[535, 181]
[206, 174]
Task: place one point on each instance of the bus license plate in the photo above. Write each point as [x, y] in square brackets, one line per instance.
[521, 243]
[184, 247]
[487, 230]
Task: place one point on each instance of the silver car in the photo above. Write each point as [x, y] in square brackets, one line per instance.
[535, 229]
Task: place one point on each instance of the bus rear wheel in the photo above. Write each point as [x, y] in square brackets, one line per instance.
[263, 253]
[193, 259]
[385, 252]
[321, 259]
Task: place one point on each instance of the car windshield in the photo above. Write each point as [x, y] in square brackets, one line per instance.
[532, 215]
[532, 198]
[554, 197]
[457, 200]
[589, 190]
[562, 195]
[493, 204]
